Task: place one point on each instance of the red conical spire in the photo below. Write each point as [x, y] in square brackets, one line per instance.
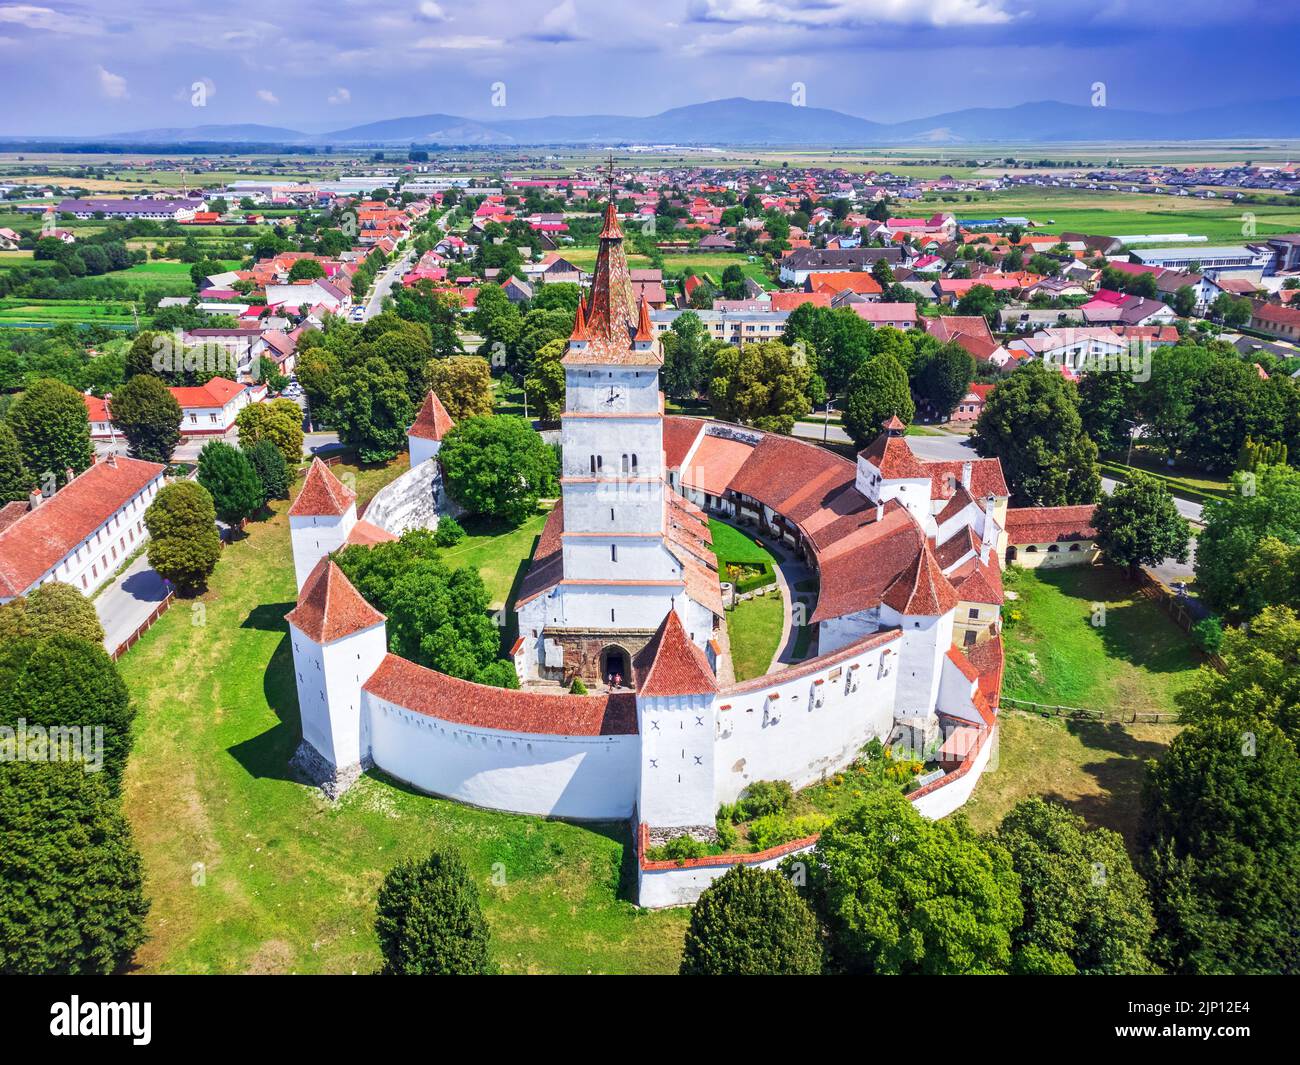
[580, 320]
[644, 330]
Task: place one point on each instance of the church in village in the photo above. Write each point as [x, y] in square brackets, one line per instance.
[623, 591]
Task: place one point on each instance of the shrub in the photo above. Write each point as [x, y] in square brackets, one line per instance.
[764, 797]
[577, 687]
[728, 837]
[1208, 634]
[449, 532]
[772, 830]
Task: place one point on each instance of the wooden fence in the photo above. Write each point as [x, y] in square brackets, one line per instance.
[1168, 601]
[144, 627]
[1079, 713]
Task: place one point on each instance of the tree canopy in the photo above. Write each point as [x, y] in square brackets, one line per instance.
[751, 922]
[1031, 423]
[429, 922]
[497, 466]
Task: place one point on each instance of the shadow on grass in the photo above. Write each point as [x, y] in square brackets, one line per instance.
[268, 617]
[531, 853]
[267, 756]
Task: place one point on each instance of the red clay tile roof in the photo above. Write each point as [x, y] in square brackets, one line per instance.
[546, 570]
[96, 409]
[1046, 525]
[368, 534]
[921, 590]
[461, 702]
[977, 582]
[679, 435]
[37, 541]
[612, 316]
[715, 463]
[987, 657]
[216, 393]
[953, 326]
[329, 608]
[788, 301]
[433, 422]
[322, 493]
[670, 664]
[962, 542]
[964, 664]
[11, 512]
[814, 665]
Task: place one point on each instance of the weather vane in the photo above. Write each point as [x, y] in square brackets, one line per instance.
[611, 177]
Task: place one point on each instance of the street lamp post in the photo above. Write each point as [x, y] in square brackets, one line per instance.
[826, 422]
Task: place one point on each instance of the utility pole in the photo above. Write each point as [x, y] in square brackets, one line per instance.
[826, 422]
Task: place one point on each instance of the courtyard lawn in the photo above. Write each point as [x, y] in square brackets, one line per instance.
[732, 545]
[250, 871]
[1137, 661]
[1093, 767]
[754, 628]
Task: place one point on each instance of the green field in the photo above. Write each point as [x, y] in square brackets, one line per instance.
[1137, 660]
[1093, 767]
[250, 871]
[1122, 213]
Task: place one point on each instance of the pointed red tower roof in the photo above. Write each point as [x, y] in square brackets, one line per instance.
[611, 229]
[644, 330]
[921, 590]
[580, 320]
[670, 664]
[610, 318]
[894, 425]
[433, 422]
[329, 608]
[322, 494]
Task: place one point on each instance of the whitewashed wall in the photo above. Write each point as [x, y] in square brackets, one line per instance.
[580, 777]
[790, 737]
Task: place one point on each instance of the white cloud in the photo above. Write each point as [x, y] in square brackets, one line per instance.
[459, 43]
[432, 12]
[559, 24]
[845, 13]
[111, 86]
[340, 96]
[267, 96]
[47, 19]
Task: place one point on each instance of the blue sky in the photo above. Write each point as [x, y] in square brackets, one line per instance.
[81, 68]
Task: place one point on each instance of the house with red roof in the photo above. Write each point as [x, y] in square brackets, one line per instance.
[82, 533]
[206, 410]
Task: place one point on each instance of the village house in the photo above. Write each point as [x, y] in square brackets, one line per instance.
[80, 534]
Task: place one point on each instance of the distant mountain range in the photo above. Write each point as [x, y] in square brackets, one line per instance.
[738, 121]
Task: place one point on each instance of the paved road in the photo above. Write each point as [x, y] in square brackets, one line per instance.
[833, 433]
[385, 281]
[126, 603]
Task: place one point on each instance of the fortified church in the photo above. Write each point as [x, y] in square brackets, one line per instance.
[907, 554]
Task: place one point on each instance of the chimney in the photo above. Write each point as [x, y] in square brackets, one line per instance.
[112, 459]
[880, 512]
[35, 499]
[68, 475]
[966, 468]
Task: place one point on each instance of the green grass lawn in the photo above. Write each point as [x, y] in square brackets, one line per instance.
[1138, 660]
[754, 629]
[1093, 767]
[250, 871]
[754, 626]
[732, 545]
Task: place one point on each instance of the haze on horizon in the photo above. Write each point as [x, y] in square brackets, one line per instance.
[90, 69]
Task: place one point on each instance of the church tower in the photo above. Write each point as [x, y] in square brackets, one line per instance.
[609, 566]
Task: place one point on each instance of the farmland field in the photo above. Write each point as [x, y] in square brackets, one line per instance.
[1125, 213]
